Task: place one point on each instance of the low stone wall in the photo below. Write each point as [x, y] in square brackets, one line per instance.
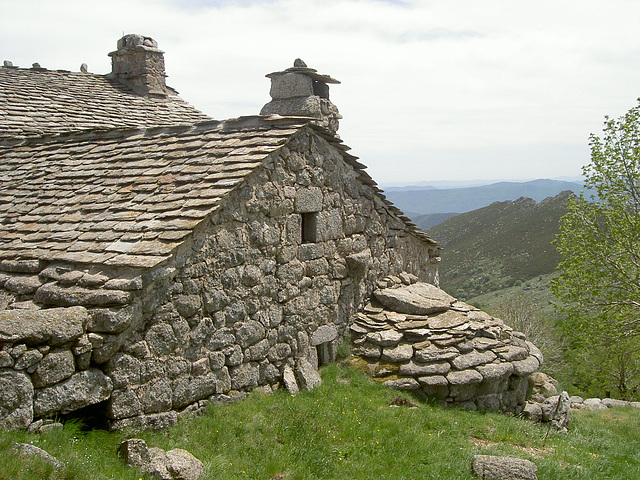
[45, 365]
[414, 336]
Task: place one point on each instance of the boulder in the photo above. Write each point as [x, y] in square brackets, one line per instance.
[176, 464]
[27, 450]
[504, 468]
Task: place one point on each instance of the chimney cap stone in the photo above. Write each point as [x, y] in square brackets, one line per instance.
[299, 66]
[133, 40]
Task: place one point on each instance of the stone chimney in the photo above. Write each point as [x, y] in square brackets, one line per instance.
[302, 92]
[139, 65]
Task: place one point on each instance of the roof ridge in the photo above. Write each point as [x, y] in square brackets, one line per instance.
[249, 122]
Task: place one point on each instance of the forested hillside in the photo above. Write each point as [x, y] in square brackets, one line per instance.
[500, 245]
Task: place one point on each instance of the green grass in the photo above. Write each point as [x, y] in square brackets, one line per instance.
[346, 429]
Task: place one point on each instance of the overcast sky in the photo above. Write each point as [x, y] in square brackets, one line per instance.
[431, 90]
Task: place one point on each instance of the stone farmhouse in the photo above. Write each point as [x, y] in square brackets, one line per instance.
[152, 258]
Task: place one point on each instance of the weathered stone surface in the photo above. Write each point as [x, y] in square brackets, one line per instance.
[419, 369]
[435, 354]
[54, 367]
[134, 452]
[52, 294]
[20, 266]
[153, 421]
[289, 379]
[464, 377]
[358, 264]
[189, 390]
[591, 404]
[28, 360]
[612, 402]
[494, 371]
[155, 396]
[473, 359]
[417, 299]
[161, 339]
[532, 411]
[53, 326]
[398, 354]
[23, 285]
[308, 377]
[16, 400]
[111, 320]
[290, 85]
[447, 320]
[25, 450]
[323, 334]
[308, 200]
[504, 468]
[248, 333]
[123, 404]
[82, 389]
[182, 465]
[245, 375]
[385, 338]
[527, 366]
[403, 384]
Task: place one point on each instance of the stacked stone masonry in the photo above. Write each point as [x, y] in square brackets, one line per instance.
[413, 336]
[222, 297]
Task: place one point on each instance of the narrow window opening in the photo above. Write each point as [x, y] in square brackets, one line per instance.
[309, 227]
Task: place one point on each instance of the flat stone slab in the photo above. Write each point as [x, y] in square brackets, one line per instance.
[53, 326]
[82, 389]
[416, 299]
[504, 468]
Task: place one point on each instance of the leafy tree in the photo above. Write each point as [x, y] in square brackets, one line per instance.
[599, 276]
[521, 313]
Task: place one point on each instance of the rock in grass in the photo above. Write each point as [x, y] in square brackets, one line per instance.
[504, 468]
[26, 450]
[176, 464]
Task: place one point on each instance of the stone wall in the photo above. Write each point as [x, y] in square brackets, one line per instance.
[413, 336]
[45, 365]
[275, 274]
[247, 296]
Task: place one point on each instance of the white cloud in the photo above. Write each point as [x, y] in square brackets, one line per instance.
[431, 89]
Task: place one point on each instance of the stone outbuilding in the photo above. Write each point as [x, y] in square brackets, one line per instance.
[152, 259]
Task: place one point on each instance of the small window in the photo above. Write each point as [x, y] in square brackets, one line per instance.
[310, 227]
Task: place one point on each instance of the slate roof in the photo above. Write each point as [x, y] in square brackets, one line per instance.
[128, 197]
[37, 101]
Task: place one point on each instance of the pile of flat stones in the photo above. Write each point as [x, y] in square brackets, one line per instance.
[414, 336]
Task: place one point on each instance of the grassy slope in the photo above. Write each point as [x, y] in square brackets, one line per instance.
[537, 289]
[347, 429]
[496, 246]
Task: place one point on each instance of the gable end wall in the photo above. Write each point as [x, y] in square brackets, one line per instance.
[244, 296]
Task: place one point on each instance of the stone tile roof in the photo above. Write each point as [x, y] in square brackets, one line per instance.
[128, 197]
[37, 101]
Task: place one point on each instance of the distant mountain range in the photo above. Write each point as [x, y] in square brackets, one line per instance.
[500, 245]
[416, 201]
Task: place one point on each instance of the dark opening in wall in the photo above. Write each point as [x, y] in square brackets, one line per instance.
[326, 353]
[310, 227]
[92, 417]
